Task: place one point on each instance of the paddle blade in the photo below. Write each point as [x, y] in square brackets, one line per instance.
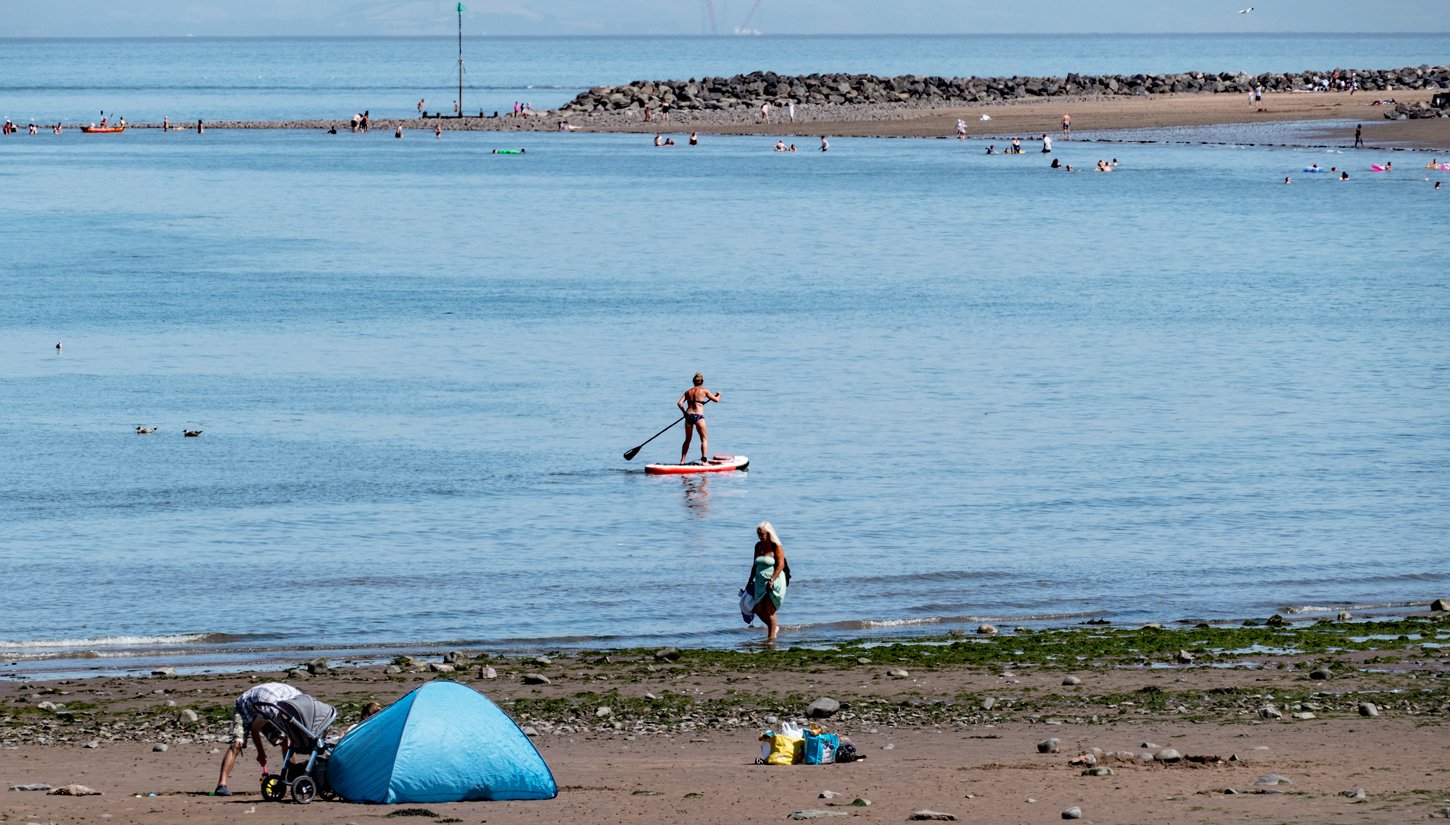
[630, 454]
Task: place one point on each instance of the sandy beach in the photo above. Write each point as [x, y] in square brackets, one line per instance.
[1024, 118]
[1348, 729]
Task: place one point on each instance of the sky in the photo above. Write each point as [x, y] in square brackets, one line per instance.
[209, 18]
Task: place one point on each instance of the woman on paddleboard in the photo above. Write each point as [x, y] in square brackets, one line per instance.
[692, 404]
[768, 579]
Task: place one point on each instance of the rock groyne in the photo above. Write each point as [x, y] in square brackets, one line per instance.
[757, 88]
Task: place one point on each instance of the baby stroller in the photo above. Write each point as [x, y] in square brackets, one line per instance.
[303, 722]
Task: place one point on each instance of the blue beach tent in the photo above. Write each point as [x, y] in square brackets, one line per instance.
[444, 742]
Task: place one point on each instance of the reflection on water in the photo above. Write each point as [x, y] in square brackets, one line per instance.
[697, 494]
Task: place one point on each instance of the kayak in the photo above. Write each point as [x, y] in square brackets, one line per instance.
[103, 130]
[716, 464]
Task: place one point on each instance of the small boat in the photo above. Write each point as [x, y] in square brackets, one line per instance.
[103, 130]
[716, 464]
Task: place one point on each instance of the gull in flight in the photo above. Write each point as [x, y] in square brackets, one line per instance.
[1247, 10]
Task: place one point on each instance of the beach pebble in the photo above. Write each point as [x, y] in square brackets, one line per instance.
[1099, 770]
[816, 814]
[1440, 605]
[164, 671]
[455, 657]
[860, 802]
[652, 698]
[171, 703]
[31, 786]
[603, 711]
[1277, 621]
[487, 672]
[159, 747]
[1071, 680]
[187, 717]
[931, 816]
[392, 670]
[1320, 674]
[541, 660]
[862, 660]
[50, 706]
[828, 795]
[1344, 616]
[1072, 813]
[441, 667]
[888, 747]
[1168, 755]
[1357, 793]
[1270, 712]
[1269, 780]
[898, 673]
[1303, 715]
[822, 708]
[1184, 657]
[988, 703]
[94, 743]
[535, 679]
[529, 730]
[1149, 746]
[667, 654]
[75, 790]
[986, 629]
[318, 667]
[1049, 745]
[1368, 709]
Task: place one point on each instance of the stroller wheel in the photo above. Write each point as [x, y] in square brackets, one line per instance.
[272, 788]
[304, 789]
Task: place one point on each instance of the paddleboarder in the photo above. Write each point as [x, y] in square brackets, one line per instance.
[692, 404]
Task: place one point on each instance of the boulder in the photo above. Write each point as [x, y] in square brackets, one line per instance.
[823, 708]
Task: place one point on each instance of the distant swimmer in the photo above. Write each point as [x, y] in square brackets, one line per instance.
[1344, 176]
[694, 139]
[438, 131]
[1046, 144]
[1056, 164]
[1287, 181]
[398, 133]
[692, 404]
[780, 146]
[659, 140]
[825, 144]
[57, 346]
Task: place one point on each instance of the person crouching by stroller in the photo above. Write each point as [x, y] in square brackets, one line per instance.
[249, 717]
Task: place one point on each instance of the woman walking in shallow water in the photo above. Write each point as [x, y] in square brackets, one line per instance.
[768, 579]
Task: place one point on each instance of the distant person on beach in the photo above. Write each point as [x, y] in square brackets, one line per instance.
[369, 710]
[420, 106]
[768, 579]
[199, 127]
[367, 116]
[1046, 144]
[398, 132]
[765, 113]
[332, 130]
[961, 129]
[438, 131]
[1067, 127]
[165, 123]
[1359, 135]
[692, 406]
[250, 715]
[1016, 146]
[790, 109]
[825, 144]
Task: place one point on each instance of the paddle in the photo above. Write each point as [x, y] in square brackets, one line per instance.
[630, 454]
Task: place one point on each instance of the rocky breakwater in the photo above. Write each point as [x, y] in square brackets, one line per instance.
[757, 88]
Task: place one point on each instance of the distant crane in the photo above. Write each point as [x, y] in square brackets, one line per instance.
[744, 28]
[714, 23]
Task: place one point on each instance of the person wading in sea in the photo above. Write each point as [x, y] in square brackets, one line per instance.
[692, 404]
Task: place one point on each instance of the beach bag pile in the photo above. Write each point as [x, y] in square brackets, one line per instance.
[792, 745]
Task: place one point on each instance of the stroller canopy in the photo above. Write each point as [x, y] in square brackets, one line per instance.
[304, 715]
[444, 742]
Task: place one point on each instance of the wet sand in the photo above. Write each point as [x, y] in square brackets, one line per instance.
[1024, 118]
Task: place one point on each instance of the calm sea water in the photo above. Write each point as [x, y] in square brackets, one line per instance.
[266, 79]
[971, 389]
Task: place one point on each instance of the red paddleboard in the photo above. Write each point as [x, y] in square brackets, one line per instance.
[716, 464]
